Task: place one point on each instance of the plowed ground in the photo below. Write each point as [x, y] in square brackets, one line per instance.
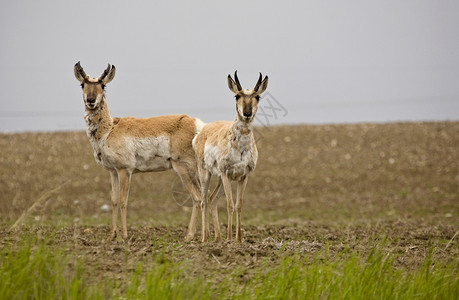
[316, 189]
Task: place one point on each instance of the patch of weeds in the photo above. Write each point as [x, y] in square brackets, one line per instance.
[33, 270]
[352, 276]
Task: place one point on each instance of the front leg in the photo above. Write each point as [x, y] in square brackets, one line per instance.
[241, 184]
[115, 201]
[124, 179]
[229, 204]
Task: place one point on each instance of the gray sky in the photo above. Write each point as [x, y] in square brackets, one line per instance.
[327, 61]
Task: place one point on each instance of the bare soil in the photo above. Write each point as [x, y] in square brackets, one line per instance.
[263, 246]
[344, 188]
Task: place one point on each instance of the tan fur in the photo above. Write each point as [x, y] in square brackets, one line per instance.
[128, 145]
[215, 134]
[179, 128]
[228, 150]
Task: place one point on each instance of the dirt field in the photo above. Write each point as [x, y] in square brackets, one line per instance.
[341, 187]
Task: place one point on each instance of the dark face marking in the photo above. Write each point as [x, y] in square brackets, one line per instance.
[247, 105]
[90, 91]
[247, 109]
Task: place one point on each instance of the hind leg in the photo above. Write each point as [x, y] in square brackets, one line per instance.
[192, 185]
[213, 201]
[205, 180]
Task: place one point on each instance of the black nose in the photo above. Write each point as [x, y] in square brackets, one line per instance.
[247, 114]
[91, 101]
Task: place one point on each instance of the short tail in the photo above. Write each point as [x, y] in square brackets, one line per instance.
[199, 125]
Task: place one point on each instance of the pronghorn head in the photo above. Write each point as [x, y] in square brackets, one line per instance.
[93, 88]
[247, 100]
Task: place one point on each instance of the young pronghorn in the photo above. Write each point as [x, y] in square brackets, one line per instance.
[124, 146]
[228, 150]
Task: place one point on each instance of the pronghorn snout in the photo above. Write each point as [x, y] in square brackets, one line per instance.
[91, 102]
[247, 113]
[247, 110]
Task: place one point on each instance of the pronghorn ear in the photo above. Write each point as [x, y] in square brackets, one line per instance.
[79, 72]
[232, 85]
[108, 74]
[261, 85]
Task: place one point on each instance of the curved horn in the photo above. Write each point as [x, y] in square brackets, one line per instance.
[239, 87]
[105, 72]
[79, 72]
[258, 83]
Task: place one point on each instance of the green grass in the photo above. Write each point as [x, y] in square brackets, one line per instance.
[37, 272]
[329, 185]
[34, 270]
[165, 281]
[40, 272]
[355, 277]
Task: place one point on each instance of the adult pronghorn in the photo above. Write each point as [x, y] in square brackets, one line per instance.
[125, 146]
[228, 150]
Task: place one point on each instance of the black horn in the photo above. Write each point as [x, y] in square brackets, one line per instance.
[257, 86]
[105, 73]
[239, 87]
[79, 70]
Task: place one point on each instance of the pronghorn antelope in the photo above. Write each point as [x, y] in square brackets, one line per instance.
[128, 145]
[228, 150]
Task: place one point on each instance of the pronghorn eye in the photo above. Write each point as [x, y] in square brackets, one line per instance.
[257, 97]
[103, 86]
[82, 85]
[237, 97]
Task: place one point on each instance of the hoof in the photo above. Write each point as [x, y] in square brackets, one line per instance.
[111, 237]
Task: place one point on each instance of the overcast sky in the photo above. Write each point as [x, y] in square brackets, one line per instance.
[327, 61]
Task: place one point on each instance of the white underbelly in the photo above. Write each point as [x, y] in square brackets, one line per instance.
[138, 154]
[150, 154]
[237, 170]
[152, 163]
[235, 164]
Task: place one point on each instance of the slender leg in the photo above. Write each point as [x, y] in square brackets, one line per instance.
[192, 226]
[241, 184]
[115, 201]
[213, 201]
[124, 178]
[193, 188]
[204, 205]
[229, 204]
